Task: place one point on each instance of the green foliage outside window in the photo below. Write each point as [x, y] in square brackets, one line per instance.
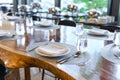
[98, 5]
[92, 4]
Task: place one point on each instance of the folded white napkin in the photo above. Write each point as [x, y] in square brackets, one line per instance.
[98, 32]
[52, 49]
[43, 24]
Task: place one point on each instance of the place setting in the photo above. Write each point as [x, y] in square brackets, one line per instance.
[94, 32]
[111, 53]
[7, 34]
[50, 49]
[46, 25]
[113, 50]
[97, 33]
[12, 18]
[60, 52]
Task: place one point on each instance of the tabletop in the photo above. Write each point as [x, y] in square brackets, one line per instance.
[95, 67]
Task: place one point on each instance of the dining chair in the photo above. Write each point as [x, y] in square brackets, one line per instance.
[16, 59]
[110, 27]
[4, 9]
[2, 70]
[36, 18]
[67, 23]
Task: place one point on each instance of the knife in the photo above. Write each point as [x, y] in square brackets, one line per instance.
[32, 49]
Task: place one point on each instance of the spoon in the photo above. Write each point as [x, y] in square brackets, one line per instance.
[61, 61]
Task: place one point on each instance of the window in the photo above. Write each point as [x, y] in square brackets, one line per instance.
[6, 1]
[85, 5]
[46, 4]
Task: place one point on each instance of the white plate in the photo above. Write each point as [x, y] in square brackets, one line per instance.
[98, 32]
[55, 54]
[3, 33]
[12, 18]
[43, 24]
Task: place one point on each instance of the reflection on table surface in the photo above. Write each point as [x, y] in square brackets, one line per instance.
[97, 68]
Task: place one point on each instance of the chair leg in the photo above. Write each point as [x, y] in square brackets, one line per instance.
[27, 73]
[43, 74]
[57, 78]
[39, 69]
[12, 74]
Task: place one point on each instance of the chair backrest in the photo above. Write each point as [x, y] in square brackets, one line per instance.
[111, 27]
[67, 23]
[36, 18]
[16, 59]
[2, 70]
[4, 9]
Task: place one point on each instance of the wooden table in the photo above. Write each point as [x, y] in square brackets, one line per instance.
[97, 68]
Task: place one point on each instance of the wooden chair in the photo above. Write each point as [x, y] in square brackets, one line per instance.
[4, 9]
[36, 18]
[110, 28]
[15, 60]
[67, 23]
[2, 70]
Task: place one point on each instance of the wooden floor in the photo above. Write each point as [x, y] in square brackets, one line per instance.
[36, 74]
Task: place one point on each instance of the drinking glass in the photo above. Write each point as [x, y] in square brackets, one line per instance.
[117, 38]
[20, 27]
[79, 29]
[83, 44]
[29, 21]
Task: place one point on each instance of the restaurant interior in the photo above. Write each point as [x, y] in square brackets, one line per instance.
[60, 40]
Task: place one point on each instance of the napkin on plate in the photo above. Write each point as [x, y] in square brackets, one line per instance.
[99, 32]
[52, 49]
[43, 24]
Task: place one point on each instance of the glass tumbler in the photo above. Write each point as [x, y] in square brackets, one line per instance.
[82, 43]
[20, 27]
[79, 29]
[117, 38]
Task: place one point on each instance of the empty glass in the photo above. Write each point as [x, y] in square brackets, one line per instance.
[20, 27]
[29, 21]
[79, 29]
[82, 44]
[117, 38]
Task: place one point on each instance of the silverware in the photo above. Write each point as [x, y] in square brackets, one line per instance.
[117, 56]
[32, 49]
[61, 61]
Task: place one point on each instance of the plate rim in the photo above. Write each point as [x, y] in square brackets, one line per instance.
[40, 24]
